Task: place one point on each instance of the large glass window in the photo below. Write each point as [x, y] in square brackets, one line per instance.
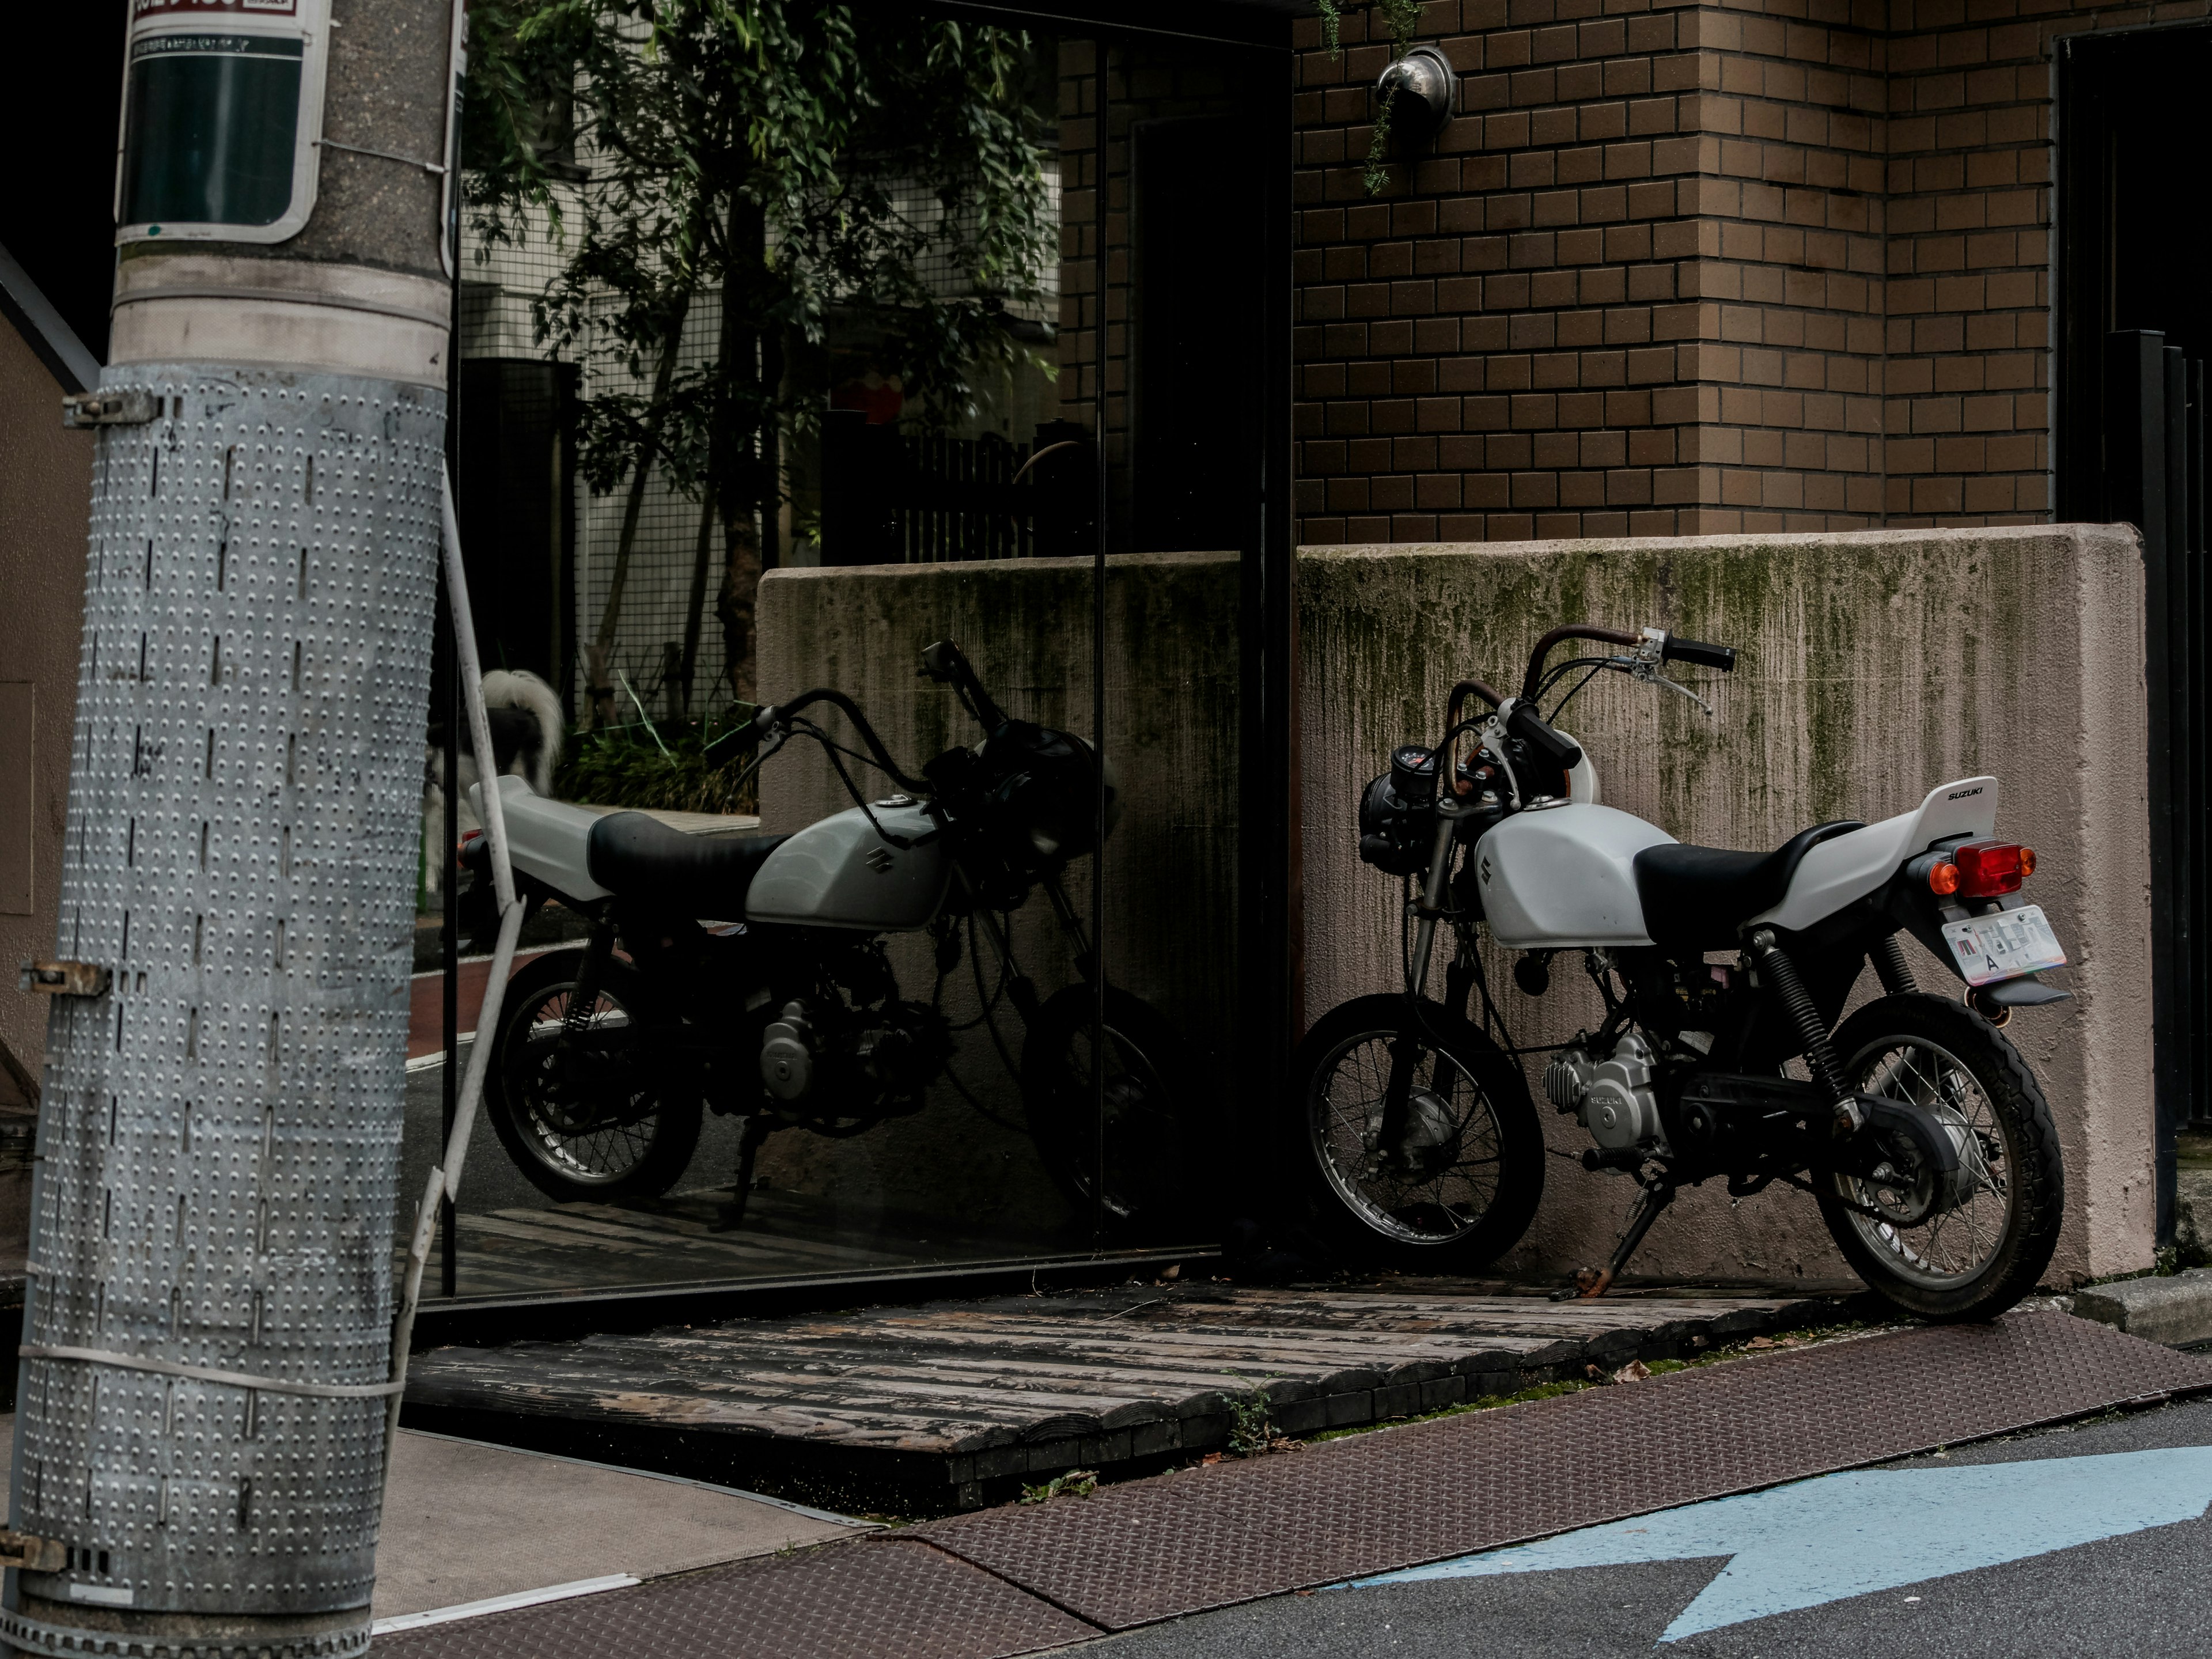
[950, 452]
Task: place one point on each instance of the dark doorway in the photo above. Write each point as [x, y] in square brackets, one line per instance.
[2134, 242]
[514, 484]
[1195, 389]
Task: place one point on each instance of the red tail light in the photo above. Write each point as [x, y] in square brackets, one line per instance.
[1987, 868]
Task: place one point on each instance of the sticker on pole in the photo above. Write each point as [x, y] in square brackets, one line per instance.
[221, 119]
[2005, 946]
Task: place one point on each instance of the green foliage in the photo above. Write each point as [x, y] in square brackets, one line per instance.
[1400, 18]
[1251, 1422]
[684, 766]
[1076, 1483]
[798, 157]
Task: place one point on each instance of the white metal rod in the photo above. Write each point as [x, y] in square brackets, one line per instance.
[444, 1181]
[464, 658]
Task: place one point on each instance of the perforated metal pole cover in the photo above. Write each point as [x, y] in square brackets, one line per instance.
[208, 1329]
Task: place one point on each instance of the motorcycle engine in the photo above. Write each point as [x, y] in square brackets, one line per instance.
[831, 1057]
[1613, 1096]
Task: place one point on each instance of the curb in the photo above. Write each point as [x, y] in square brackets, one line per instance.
[2176, 1310]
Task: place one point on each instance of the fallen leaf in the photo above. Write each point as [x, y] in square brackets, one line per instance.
[1171, 1274]
[1634, 1372]
[1761, 1342]
[1210, 1459]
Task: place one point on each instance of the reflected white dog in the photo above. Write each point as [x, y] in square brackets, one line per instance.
[526, 734]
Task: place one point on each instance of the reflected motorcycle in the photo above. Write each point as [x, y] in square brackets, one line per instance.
[1723, 1052]
[749, 975]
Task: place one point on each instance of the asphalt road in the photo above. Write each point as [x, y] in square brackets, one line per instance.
[2141, 1592]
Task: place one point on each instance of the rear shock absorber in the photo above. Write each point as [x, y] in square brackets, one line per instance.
[1774, 963]
[1891, 968]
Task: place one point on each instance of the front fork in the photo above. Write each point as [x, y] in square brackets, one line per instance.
[1021, 989]
[584, 1000]
[1405, 1051]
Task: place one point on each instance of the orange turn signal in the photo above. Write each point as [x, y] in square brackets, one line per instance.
[1944, 878]
[2026, 861]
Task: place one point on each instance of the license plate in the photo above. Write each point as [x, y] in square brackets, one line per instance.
[2004, 946]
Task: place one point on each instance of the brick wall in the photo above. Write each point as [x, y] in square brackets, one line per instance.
[1681, 268]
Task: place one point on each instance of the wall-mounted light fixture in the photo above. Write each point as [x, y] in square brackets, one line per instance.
[1424, 84]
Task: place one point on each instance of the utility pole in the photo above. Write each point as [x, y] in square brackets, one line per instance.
[199, 1454]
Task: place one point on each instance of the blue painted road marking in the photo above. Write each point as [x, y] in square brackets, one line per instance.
[1842, 1536]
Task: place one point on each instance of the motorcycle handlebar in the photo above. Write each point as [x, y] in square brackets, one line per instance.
[1533, 677]
[781, 714]
[1722, 657]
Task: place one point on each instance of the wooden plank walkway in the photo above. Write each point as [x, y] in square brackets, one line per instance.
[947, 1405]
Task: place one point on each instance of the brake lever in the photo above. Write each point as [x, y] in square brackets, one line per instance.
[1656, 677]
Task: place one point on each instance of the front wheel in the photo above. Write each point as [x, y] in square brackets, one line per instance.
[1449, 1187]
[586, 1117]
[1155, 1132]
[1979, 1255]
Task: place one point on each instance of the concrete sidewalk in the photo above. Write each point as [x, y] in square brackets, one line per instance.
[1026, 1579]
[466, 1522]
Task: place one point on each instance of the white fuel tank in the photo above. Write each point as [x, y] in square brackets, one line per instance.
[1561, 876]
[841, 873]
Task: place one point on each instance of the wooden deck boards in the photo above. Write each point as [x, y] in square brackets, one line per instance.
[971, 1395]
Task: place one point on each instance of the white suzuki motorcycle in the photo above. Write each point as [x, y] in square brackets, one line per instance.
[748, 975]
[1919, 1129]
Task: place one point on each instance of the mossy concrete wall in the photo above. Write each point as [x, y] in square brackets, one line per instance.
[1171, 735]
[1873, 667]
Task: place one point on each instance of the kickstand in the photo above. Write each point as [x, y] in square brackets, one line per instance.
[733, 1215]
[1657, 1195]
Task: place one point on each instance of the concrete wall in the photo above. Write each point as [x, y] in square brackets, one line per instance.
[1171, 733]
[45, 495]
[1875, 665]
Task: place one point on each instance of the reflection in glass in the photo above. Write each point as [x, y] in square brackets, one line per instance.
[819, 985]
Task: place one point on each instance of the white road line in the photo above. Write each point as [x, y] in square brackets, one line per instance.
[502, 1603]
[436, 1057]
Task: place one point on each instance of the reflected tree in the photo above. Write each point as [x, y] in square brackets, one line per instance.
[787, 166]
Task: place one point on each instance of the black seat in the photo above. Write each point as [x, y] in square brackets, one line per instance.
[1695, 897]
[641, 858]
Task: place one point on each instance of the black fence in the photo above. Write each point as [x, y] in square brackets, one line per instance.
[2153, 477]
[890, 497]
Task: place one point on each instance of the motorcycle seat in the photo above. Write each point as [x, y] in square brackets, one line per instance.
[1695, 898]
[641, 858]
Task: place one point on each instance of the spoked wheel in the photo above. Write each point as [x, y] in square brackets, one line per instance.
[1457, 1184]
[1984, 1243]
[586, 1119]
[1155, 1132]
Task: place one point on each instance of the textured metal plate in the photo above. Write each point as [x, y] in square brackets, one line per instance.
[892, 1599]
[1205, 1537]
[219, 1142]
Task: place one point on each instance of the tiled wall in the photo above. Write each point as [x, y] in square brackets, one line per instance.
[1683, 268]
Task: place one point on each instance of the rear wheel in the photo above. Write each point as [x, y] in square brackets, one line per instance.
[1976, 1257]
[1155, 1132]
[1463, 1181]
[587, 1118]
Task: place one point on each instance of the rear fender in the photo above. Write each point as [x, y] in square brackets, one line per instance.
[1860, 863]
